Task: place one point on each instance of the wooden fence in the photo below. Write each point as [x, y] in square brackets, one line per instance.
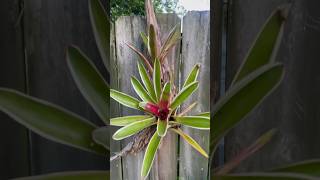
[175, 158]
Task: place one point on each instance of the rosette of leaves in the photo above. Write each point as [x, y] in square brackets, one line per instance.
[61, 125]
[159, 99]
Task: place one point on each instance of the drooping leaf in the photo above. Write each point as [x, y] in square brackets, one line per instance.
[157, 79]
[139, 89]
[126, 120]
[101, 29]
[150, 155]
[49, 121]
[101, 136]
[162, 127]
[142, 57]
[165, 95]
[152, 43]
[192, 77]
[172, 39]
[76, 175]
[89, 81]
[133, 128]
[146, 80]
[265, 46]
[242, 98]
[247, 152]
[264, 176]
[310, 167]
[124, 99]
[191, 141]
[198, 122]
[183, 95]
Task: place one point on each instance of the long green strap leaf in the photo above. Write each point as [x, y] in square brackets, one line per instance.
[49, 121]
[183, 95]
[101, 136]
[150, 155]
[165, 95]
[265, 46]
[126, 120]
[101, 29]
[191, 141]
[146, 80]
[265, 176]
[139, 89]
[152, 43]
[310, 167]
[133, 128]
[192, 77]
[198, 122]
[124, 99]
[241, 99]
[89, 81]
[76, 175]
[162, 126]
[204, 114]
[157, 79]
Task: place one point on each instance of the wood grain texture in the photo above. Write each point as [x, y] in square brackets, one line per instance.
[14, 138]
[196, 49]
[50, 26]
[293, 109]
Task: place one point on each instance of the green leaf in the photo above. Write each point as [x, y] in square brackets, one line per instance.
[145, 39]
[150, 155]
[242, 98]
[264, 176]
[183, 95]
[101, 136]
[124, 99]
[247, 152]
[76, 175]
[49, 121]
[89, 81]
[139, 89]
[191, 141]
[146, 80]
[204, 114]
[153, 50]
[157, 79]
[126, 120]
[172, 39]
[133, 128]
[165, 95]
[192, 77]
[162, 127]
[265, 46]
[310, 167]
[101, 29]
[198, 122]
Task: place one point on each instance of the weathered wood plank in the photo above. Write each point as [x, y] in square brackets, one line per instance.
[294, 108]
[50, 26]
[196, 49]
[13, 137]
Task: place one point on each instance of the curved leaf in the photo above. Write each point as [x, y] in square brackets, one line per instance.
[139, 89]
[142, 57]
[49, 121]
[162, 127]
[146, 80]
[126, 120]
[133, 128]
[101, 136]
[150, 155]
[172, 39]
[157, 79]
[89, 81]
[310, 167]
[191, 141]
[124, 99]
[183, 95]
[101, 29]
[76, 175]
[198, 122]
[242, 99]
[192, 77]
[265, 46]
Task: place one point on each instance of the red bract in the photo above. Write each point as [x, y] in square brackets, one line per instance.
[158, 111]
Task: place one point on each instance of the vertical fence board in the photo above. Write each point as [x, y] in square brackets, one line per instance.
[127, 30]
[50, 26]
[294, 108]
[13, 137]
[196, 49]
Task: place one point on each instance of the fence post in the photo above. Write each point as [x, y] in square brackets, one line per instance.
[196, 49]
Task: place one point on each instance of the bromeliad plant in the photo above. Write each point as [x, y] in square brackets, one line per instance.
[158, 97]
